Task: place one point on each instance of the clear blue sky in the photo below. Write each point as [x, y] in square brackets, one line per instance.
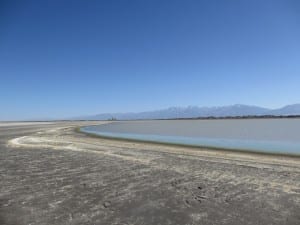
[67, 58]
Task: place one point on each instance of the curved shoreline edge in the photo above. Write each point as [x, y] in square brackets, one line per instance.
[191, 146]
[104, 181]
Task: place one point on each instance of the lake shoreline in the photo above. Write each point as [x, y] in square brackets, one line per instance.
[199, 147]
[126, 182]
[244, 136]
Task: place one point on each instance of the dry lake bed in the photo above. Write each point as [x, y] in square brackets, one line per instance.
[52, 174]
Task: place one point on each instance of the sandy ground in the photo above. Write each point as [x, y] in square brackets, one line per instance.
[51, 174]
[9, 124]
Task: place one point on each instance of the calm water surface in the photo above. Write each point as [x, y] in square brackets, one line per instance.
[263, 135]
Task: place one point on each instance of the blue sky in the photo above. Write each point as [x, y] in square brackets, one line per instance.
[62, 58]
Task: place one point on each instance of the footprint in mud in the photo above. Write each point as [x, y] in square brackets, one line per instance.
[193, 201]
[199, 198]
[187, 202]
[106, 204]
[194, 195]
[200, 193]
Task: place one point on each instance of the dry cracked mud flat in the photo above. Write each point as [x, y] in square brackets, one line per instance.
[51, 174]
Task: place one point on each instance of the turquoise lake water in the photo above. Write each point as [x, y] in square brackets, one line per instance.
[260, 135]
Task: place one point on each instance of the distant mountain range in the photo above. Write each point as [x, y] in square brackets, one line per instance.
[194, 112]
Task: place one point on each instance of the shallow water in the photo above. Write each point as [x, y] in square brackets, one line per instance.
[262, 135]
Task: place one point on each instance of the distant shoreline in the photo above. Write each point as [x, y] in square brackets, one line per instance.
[176, 118]
[209, 118]
[241, 117]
